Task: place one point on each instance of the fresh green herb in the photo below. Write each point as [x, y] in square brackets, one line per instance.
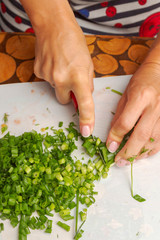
[108, 88]
[42, 176]
[5, 118]
[113, 113]
[37, 124]
[64, 226]
[1, 227]
[83, 215]
[117, 92]
[152, 140]
[4, 128]
[79, 232]
[49, 226]
[77, 211]
[48, 110]
[139, 198]
[136, 197]
[143, 150]
[60, 124]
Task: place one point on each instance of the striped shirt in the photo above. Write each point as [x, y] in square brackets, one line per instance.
[112, 17]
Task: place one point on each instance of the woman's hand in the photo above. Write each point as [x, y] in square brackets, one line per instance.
[139, 107]
[64, 61]
[62, 57]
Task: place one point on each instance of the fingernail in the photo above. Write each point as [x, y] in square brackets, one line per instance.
[85, 131]
[113, 146]
[121, 163]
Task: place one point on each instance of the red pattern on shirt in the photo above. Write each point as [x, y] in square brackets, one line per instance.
[29, 30]
[18, 19]
[111, 11]
[104, 4]
[118, 25]
[3, 7]
[142, 2]
[151, 26]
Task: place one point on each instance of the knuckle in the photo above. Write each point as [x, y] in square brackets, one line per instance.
[143, 135]
[61, 100]
[87, 103]
[77, 73]
[58, 79]
[124, 124]
[147, 92]
[36, 70]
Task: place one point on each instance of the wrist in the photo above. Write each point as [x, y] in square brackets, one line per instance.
[154, 53]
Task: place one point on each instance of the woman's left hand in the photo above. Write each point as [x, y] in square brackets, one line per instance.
[139, 107]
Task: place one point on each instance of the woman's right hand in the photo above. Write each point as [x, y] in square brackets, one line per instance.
[62, 57]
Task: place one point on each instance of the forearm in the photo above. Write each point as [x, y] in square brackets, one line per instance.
[44, 14]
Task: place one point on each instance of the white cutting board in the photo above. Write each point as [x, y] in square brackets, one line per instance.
[115, 215]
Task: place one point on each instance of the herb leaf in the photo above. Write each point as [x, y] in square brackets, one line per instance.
[143, 150]
[60, 124]
[4, 128]
[136, 197]
[5, 118]
[152, 140]
[117, 92]
[139, 198]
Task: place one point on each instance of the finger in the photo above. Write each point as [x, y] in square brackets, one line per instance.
[86, 107]
[91, 75]
[140, 135]
[125, 122]
[111, 144]
[152, 146]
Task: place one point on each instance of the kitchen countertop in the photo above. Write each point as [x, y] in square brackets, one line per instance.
[111, 55]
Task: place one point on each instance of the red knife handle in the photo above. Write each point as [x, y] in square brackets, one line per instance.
[74, 101]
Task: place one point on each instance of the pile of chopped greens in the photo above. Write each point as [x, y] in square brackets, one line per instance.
[38, 174]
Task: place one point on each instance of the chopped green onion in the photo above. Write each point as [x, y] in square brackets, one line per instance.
[117, 92]
[64, 226]
[4, 128]
[136, 197]
[152, 140]
[1, 227]
[60, 124]
[143, 150]
[5, 118]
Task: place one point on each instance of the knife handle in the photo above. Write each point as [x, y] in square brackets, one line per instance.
[74, 101]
